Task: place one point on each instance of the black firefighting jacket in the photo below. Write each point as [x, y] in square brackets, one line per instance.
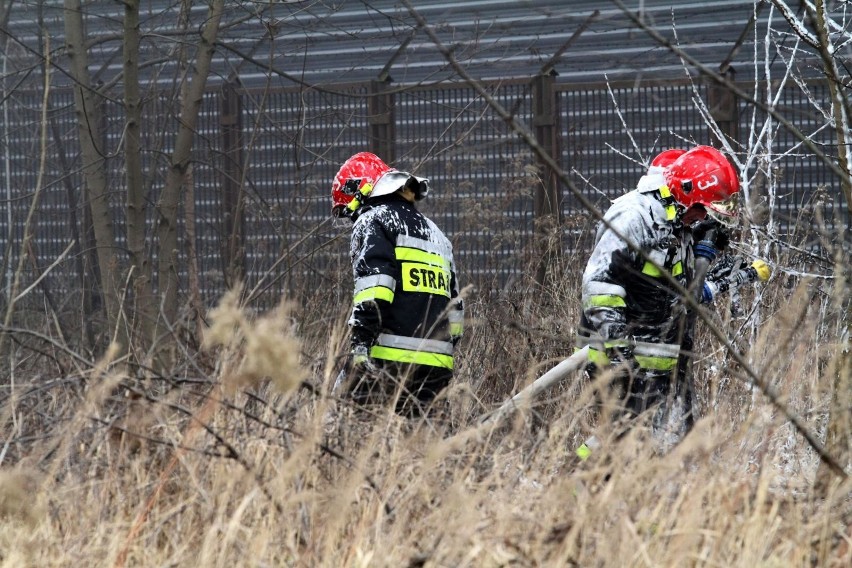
[406, 305]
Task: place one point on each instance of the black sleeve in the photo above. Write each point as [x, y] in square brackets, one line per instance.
[375, 274]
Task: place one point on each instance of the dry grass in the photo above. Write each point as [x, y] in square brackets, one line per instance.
[221, 466]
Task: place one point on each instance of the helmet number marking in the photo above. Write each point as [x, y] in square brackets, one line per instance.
[706, 184]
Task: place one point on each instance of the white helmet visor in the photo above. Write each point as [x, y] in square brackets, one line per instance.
[394, 180]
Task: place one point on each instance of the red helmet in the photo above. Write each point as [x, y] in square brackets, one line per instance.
[704, 176]
[665, 158]
[366, 175]
[355, 178]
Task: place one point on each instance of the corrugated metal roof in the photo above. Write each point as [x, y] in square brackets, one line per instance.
[322, 43]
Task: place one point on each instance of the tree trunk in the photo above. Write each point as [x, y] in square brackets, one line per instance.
[167, 206]
[94, 166]
[838, 442]
[145, 308]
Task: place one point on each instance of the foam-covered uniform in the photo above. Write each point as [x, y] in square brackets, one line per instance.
[629, 311]
[632, 314]
[406, 312]
[407, 315]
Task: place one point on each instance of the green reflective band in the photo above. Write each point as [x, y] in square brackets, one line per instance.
[671, 212]
[374, 293]
[598, 357]
[408, 356]
[456, 328]
[651, 270]
[607, 301]
[656, 363]
[583, 452]
[665, 192]
[417, 255]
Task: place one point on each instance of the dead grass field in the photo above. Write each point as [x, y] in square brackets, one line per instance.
[229, 462]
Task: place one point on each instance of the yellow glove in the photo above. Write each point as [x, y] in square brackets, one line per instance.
[762, 269]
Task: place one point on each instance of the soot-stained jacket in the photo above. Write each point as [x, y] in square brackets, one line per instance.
[406, 305]
[624, 297]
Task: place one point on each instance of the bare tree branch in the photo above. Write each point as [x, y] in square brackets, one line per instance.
[756, 380]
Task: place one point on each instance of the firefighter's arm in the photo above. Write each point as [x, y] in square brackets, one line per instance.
[613, 264]
[603, 293]
[375, 277]
[455, 314]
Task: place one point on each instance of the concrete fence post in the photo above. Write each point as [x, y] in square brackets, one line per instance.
[547, 201]
[233, 202]
[380, 107]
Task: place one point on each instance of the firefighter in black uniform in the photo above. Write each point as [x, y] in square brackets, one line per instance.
[407, 314]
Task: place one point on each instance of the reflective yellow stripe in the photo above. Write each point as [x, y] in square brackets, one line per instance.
[583, 452]
[456, 328]
[354, 204]
[416, 255]
[374, 293]
[656, 363]
[408, 356]
[651, 269]
[597, 357]
[671, 210]
[356, 200]
[649, 362]
[606, 301]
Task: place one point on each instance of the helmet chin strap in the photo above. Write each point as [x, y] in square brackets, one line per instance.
[692, 214]
[353, 209]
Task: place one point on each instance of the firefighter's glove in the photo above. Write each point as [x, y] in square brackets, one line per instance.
[721, 238]
[762, 270]
[360, 359]
[699, 228]
[758, 270]
[709, 229]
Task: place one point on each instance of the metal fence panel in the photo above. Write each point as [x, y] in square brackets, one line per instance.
[294, 140]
